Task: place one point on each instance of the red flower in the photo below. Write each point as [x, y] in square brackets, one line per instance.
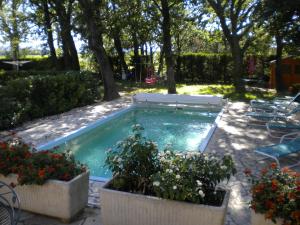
[42, 173]
[286, 170]
[296, 215]
[269, 204]
[28, 155]
[274, 184]
[66, 177]
[280, 198]
[292, 196]
[51, 169]
[3, 145]
[259, 188]
[273, 165]
[56, 156]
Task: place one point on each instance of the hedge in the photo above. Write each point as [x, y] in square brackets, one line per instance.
[203, 68]
[6, 76]
[39, 63]
[33, 97]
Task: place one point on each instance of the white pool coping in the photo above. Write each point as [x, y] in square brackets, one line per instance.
[116, 114]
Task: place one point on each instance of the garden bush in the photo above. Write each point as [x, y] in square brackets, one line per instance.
[32, 97]
[276, 194]
[36, 63]
[139, 167]
[34, 167]
[9, 75]
[203, 68]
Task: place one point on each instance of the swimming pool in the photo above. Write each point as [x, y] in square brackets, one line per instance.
[185, 129]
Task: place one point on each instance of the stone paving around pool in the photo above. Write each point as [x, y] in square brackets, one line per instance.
[232, 136]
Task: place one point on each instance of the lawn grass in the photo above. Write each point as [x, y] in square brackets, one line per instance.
[228, 91]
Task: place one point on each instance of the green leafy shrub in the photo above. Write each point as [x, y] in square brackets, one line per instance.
[138, 167]
[37, 96]
[192, 177]
[34, 167]
[35, 63]
[133, 161]
[203, 68]
[276, 194]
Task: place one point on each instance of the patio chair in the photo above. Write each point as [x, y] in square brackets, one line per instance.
[280, 104]
[282, 149]
[260, 118]
[276, 129]
[9, 205]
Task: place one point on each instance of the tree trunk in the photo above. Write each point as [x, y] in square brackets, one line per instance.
[238, 70]
[118, 46]
[15, 39]
[95, 40]
[151, 54]
[166, 27]
[136, 57]
[161, 61]
[69, 49]
[49, 33]
[278, 69]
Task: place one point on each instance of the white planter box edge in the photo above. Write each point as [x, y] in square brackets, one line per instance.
[259, 219]
[123, 208]
[55, 198]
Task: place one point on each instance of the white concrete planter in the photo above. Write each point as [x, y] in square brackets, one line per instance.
[55, 198]
[123, 208]
[259, 219]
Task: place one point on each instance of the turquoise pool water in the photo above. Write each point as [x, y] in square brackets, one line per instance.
[183, 129]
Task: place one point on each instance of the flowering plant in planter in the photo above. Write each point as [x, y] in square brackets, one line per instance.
[192, 177]
[139, 167]
[276, 194]
[34, 167]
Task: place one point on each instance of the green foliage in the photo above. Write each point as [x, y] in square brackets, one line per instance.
[276, 194]
[6, 76]
[133, 162]
[204, 68]
[32, 97]
[138, 167]
[34, 64]
[36, 167]
[192, 177]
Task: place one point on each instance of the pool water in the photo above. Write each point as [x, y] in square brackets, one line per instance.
[183, 129]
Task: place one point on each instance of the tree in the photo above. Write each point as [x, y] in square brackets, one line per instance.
[281, 19]
[165, 8]
[63, 10]
[114, 13]
[13, 23]
[236, 19]
[93, 31]
[42, 17]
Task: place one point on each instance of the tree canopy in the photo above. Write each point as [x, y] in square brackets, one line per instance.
[151, 33]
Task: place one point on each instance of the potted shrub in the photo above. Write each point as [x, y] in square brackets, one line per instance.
[46, 182]
[275, 196]
[168, 188]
